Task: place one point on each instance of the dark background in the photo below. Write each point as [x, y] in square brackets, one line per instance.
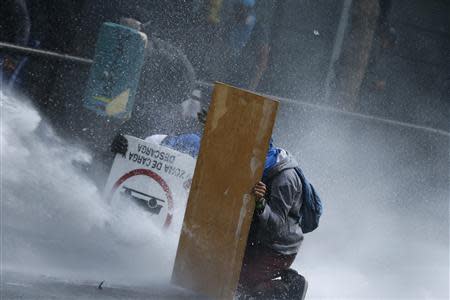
[415, 70]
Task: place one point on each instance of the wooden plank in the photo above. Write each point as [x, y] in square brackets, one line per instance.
[220, 206]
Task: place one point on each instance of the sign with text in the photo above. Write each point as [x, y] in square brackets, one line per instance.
[154, 177]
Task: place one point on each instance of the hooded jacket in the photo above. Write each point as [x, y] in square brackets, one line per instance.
[277, 226]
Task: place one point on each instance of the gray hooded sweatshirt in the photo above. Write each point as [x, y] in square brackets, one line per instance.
[277, 226]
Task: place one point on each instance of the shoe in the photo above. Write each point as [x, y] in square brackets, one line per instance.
[272, 290]
[278, 291]
[297, 284]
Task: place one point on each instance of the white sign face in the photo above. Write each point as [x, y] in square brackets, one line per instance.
[155, 178]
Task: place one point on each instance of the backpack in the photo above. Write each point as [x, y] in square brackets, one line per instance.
[311, 208]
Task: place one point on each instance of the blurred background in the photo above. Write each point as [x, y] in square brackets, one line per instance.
[364, 87]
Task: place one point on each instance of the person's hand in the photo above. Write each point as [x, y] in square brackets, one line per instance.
[201, 116]
[119, 144]
[259, 190]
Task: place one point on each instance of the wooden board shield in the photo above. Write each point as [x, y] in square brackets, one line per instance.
[220, 206]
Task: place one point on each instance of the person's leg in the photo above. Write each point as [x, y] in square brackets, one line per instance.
[385, 9]
[260, 266]
[386, 32]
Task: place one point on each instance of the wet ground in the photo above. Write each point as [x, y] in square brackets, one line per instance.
[37, 287]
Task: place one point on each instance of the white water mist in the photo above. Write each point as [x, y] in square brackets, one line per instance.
[54, 220]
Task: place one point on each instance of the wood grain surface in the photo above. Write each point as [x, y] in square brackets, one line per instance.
[220, 206]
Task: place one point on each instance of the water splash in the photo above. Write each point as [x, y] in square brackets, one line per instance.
[54, 220]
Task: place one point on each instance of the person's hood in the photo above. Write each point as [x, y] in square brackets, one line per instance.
[284, 161]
